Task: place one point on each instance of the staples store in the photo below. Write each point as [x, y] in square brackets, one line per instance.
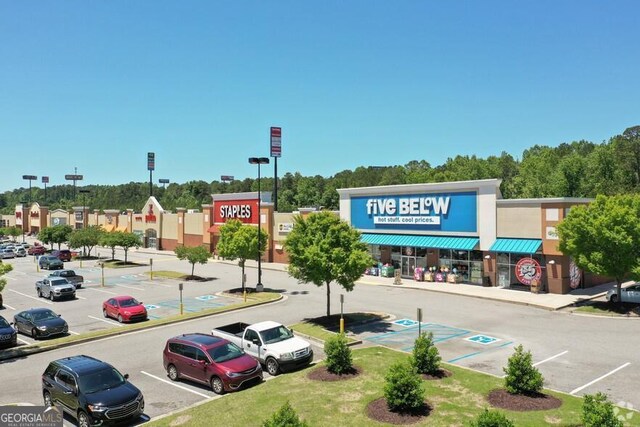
[464, 232]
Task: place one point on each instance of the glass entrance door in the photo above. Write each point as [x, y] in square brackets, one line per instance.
[408, 264]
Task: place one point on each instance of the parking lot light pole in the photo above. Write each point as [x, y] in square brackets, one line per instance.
[259, 161]
[341, 318]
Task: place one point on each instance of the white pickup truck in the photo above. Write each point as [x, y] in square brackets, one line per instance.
[271, 343]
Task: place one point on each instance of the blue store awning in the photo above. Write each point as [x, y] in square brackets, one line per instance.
[516, 246]
[437, 242]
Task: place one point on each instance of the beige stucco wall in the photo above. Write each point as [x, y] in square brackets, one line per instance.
[519, 221]
[170, 226]
[193, 223]
[280, 222]
[61, 215]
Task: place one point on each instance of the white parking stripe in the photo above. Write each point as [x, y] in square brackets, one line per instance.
[79, 297]
[73, 333]
[550, 358]
[106, 321]
[23, 341]
[9, 307]
[175, 385]
[103, 291]
[598, 379]
[29, 296]
[137, 288]
[10, 278]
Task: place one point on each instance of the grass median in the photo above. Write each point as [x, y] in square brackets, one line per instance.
[456, 400]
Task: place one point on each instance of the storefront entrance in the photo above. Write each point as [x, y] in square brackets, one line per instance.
[408, 265]
[151, 239]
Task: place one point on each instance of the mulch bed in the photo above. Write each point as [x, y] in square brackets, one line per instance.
[378, 410]
[501, 398]
[322, 374]
[440, 374]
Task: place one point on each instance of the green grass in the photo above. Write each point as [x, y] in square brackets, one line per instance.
[456, 400]
[604, 308]
[315, 331]
[121, 264]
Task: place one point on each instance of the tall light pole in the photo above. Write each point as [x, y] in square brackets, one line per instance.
[45, 181]
[74, 177]
[29, 178]
[259, 161]
[151, 165]
[84, 209]
[164, 182]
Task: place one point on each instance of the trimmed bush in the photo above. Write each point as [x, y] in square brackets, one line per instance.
[426, 358]
[403, 388]
[521, 376]
[597, 411]
[338, 355]
[491, 419]
[284, 417]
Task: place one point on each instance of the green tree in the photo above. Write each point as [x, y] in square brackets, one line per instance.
[14, 232]
[55, 234]
[285, 417]
[85, 238]
[4, 269]
[403, 388]
[425, 357]
[127, 241]
[338, 355]
[521, 376]
[196, 254]
[323, 249]
[240, 241]
[111, 241]
[491, 419]
[597, 411]
[603, 237]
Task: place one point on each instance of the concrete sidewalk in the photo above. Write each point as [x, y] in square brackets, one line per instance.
[543, 300]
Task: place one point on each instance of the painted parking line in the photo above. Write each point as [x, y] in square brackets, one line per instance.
[475, 353]
[29, 296]
[103, 291]
[175, 385]
[137, 288]
[79, 297]
[24, 342]
[72, 332]
[551, 358]
[9, 307]
[106, 321]
[599, 378]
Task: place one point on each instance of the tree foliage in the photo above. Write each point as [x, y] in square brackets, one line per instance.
[4, 269]
[403, 388]
[597, 411]
[127, 241]
[425, 357]
[56, 234]
[338, 355]
[521, 376]
[240, 241]
[111, 241]
[284, 417]
[323, 249]
[489, 418]
[195, 255]
[85, 238]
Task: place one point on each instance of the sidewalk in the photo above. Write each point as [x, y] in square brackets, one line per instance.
[545, 301]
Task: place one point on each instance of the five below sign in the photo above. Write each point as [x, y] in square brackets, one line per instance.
[407, 210]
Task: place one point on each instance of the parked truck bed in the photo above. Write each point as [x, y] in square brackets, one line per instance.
[236, 329]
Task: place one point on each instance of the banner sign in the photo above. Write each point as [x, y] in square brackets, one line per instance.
[244, 210]
[276, 142]
[45, 179]
[226, 178]
[285, 227]
[456, 212]
[151, 161]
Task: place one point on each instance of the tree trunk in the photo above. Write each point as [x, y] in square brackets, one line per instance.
[619, 291]
[192, 267]
[328, 300]
[126, 250]
[242, 278]
[113, 253]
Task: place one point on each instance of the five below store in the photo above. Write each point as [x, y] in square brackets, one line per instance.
[464, 232]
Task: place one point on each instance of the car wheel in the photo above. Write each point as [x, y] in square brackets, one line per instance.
[47, 399]
[120, 318]
[39, 293]
[83, 419]
[272, 366]
[172, 372]
[34, 333]
[217, 386]
[104, 313]
[613, 299]
[51, 297]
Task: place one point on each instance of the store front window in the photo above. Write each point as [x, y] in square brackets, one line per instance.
[465, 264]
[509, 277]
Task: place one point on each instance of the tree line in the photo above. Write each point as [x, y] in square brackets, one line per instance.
[576, 169]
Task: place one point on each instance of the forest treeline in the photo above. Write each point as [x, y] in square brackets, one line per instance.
[576, 169]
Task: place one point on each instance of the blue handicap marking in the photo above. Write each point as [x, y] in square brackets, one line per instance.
[206, 297]
[482, 339]
[405, 322]
[150, 306]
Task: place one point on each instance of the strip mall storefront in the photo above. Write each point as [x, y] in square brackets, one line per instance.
[464, 232]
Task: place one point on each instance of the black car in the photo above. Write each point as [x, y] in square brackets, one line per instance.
[49, 262]
[92, 391]
[40, 322]
[8, 335]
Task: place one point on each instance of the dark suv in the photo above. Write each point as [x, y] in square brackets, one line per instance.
[63, 255]
[91, 390]
[50, 262]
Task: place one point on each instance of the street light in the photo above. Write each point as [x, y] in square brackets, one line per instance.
[29, 178]
[84, 209]
[24, 220]
[259, 161]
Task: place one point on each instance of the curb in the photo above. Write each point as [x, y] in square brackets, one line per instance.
[27, 351]
[317, 340]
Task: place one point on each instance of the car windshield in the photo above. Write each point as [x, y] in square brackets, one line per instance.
[3, 323]
[129, 302]
[44, 315]
[277, 334]
[104, 379]
[225, 352]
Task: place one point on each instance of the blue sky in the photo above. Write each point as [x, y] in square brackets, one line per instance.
[97, 85]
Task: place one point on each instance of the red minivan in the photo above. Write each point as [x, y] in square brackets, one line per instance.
[210, 360]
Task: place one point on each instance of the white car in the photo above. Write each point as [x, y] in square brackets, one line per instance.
[629, 294]
[7, 253]
[21, 252]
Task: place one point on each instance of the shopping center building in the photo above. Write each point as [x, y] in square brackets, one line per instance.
[454, 232]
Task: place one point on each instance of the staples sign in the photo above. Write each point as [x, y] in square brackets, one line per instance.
[243, 210]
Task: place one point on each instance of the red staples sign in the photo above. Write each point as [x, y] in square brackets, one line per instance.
[244, 210]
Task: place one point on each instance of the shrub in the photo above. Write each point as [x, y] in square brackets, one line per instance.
[338, 355]
[284, 417]
[403, 388]
[521, 376]
[597, 411]
[492, 419]
[426, 358]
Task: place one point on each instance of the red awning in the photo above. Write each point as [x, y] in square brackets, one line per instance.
[215, 228]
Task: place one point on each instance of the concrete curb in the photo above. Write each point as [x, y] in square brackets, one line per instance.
[27, 351]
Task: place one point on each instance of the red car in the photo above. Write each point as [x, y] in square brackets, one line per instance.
[36, 250]
[124, 308]
[63, 255]
[210, 360]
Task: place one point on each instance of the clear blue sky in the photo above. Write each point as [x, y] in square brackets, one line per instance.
[96, 85]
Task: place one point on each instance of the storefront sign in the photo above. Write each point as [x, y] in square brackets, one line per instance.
[18, 218]
[285, 227]
[34, 214]
[243, 210]
[58, 221]
[79, 216]
[437, 211]
[575, 275]
[150, 216]
[528, 270]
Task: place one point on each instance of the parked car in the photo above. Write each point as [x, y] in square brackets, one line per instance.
[63, 255]
[36, 250]
[71, 277]
[629, 294]
[50, 262]
[271, 343]
[210, 360]
[21, 252]
[55, 288]
[7, 253]
[8, 335]
[92, 391]
[124, 308]
[39, 323]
